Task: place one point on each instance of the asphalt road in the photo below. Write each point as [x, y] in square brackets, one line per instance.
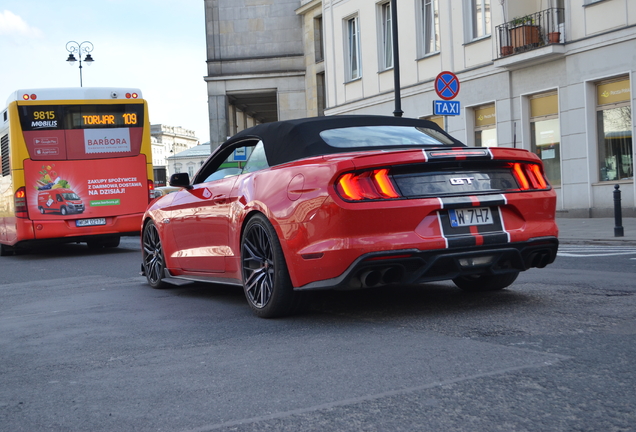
[86, 345]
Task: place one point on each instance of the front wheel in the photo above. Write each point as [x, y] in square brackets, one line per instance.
[266, 280]
[482, 283]
[64, 211]
[152, 256]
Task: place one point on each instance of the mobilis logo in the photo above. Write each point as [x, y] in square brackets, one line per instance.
[44, 124]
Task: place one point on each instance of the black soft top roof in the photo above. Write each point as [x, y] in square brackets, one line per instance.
[290, 140]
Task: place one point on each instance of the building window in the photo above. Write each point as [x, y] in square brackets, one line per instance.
[353, 49]
[429, 27]
[480, 18]
[321, 93]
[485, 126]
[387, 37]
[546, 134]
[318, 40]
[614, 127]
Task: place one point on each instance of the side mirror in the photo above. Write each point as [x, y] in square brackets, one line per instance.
[180, 180]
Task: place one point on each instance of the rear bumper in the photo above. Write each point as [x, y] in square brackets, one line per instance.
[42, 232]
[415, 266]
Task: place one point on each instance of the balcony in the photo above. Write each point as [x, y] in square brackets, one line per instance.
[531, 39]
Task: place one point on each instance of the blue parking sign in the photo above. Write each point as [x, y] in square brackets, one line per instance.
[446, 108]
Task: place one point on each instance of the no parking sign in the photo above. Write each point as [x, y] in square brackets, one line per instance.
[447, 85]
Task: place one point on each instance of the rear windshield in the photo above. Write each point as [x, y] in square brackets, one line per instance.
[382, 136]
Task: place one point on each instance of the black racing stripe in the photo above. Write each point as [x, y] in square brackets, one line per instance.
[495, 238]
[462, 241]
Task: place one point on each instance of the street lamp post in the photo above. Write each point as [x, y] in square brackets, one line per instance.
[396, 60]
[80, 48]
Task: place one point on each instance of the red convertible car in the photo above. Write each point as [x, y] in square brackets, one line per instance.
[350, 202]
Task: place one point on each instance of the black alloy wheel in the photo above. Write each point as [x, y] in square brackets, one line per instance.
[266, 281]
[152, 255]
[482, 283]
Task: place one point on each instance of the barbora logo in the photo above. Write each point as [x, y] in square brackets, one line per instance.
[106, 140]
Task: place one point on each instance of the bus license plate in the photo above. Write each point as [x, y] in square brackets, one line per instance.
[470, 216]
[90, 222]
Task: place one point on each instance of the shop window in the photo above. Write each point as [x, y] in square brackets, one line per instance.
[438, 120]
[485, 126]
[546, 134]
[614, 128]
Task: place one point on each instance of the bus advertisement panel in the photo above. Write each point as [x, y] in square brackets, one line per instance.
[80, 166]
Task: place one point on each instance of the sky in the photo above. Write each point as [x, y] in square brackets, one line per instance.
[157, 46]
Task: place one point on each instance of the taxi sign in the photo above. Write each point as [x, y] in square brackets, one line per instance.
[445, 108]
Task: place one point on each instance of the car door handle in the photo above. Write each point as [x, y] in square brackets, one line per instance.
[219, 198]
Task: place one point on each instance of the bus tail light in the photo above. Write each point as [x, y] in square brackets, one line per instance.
[151, 190]
[21, 203]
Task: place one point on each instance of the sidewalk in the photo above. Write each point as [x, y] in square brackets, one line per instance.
[595, 231]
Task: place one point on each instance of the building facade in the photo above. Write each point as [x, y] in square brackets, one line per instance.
[256, 64]
[551, 76]
[189, 160]
[168, 141]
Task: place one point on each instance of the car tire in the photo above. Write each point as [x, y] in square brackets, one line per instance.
[266, 282]
[64, 211]
[42, 211]
[94, 244]
[106, 242]
[153, 260]
[482, 283]
[111, 242]
[6, 250]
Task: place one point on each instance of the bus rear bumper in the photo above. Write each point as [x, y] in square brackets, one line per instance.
[63, 229]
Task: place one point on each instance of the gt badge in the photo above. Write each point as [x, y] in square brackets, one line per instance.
[462, 180]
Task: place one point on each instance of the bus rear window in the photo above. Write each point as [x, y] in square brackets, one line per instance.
[67, 117]
[77, 132]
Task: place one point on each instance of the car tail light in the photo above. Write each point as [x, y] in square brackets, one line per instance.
[21, 203]
[529, 176]
[151, 190]
[368, 185]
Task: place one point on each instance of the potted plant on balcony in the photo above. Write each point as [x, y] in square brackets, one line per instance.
[554, 37]
[524, 32]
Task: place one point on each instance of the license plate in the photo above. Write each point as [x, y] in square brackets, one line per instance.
[470, 216]
[90, 222]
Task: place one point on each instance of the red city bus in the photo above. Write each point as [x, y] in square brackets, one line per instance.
[76, 166]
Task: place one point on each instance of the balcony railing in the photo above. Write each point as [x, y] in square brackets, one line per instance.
[530, 32]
